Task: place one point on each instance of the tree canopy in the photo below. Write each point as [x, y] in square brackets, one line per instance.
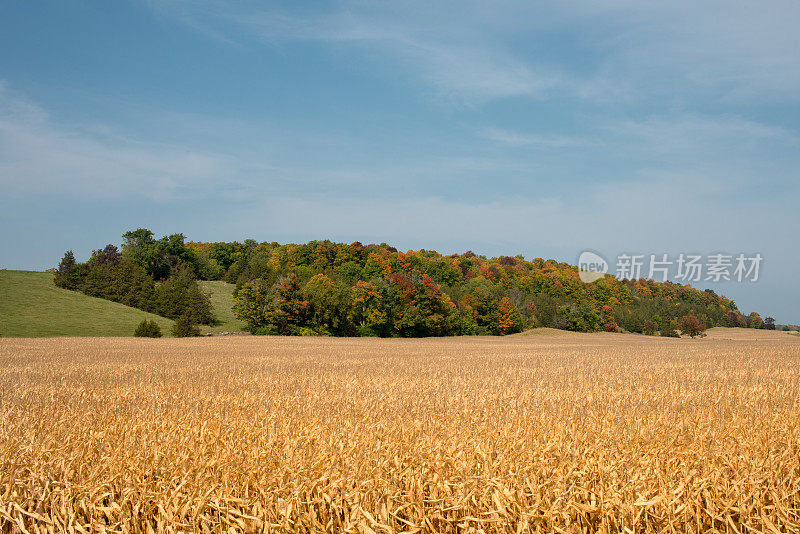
[334, 288]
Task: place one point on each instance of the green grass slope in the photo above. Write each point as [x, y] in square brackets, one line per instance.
[31, 306]
[222, 300]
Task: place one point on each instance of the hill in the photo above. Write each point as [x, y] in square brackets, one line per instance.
[221, 294]
[32, 306]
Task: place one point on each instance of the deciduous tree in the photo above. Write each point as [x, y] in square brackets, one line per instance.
[692, 326]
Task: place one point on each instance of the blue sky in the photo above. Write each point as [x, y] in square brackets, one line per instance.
[502, 127]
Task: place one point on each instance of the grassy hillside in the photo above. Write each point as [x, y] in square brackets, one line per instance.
[222, 300]
[31, 306]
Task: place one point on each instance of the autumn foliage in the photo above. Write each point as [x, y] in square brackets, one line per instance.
[330, 288]
[691, 326]
[326, 288]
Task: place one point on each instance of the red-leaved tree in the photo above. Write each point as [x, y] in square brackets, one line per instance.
[692, 326]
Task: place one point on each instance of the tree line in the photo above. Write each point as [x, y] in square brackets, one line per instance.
[327, 288]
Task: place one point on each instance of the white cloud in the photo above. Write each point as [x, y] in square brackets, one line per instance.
[40, 156]
[726, 141]
[602, 51]
[518, 139]
[731, 50]
[468, 68]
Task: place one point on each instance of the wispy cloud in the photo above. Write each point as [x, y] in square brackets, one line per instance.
[518, 139]
[461, 65]
[39, 156]
[694, 128]
[719, 49]
[603, 52]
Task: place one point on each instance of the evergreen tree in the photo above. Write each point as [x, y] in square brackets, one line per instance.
[67, 275]
[180, 294]
[185, 327]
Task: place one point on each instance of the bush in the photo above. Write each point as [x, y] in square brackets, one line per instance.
[670, 329]
[184, 327]
[610, 327]
[147, 329]
[365, 331]
[307, 332]
[649, 328]
[268, 330]
[692, 326]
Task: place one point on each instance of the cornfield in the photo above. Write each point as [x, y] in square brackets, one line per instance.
[528, 433]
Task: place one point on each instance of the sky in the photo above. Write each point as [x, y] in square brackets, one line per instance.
[509, 127]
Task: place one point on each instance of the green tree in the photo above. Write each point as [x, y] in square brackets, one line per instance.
[180, 294]
[139, 247]
[250, 303]
[328, 303]
[284, 306]
[158, 257]
[67, 274]
[123, 282]
[366, 308]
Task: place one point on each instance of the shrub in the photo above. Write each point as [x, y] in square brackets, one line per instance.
[649, 328]
[268, 330]
[669, 329]
[147, 329]
[307, 332]
[692, 326]
[365, 331]
[610, 327]
[184, 327]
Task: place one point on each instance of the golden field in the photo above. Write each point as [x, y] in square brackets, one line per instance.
[544, 432]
